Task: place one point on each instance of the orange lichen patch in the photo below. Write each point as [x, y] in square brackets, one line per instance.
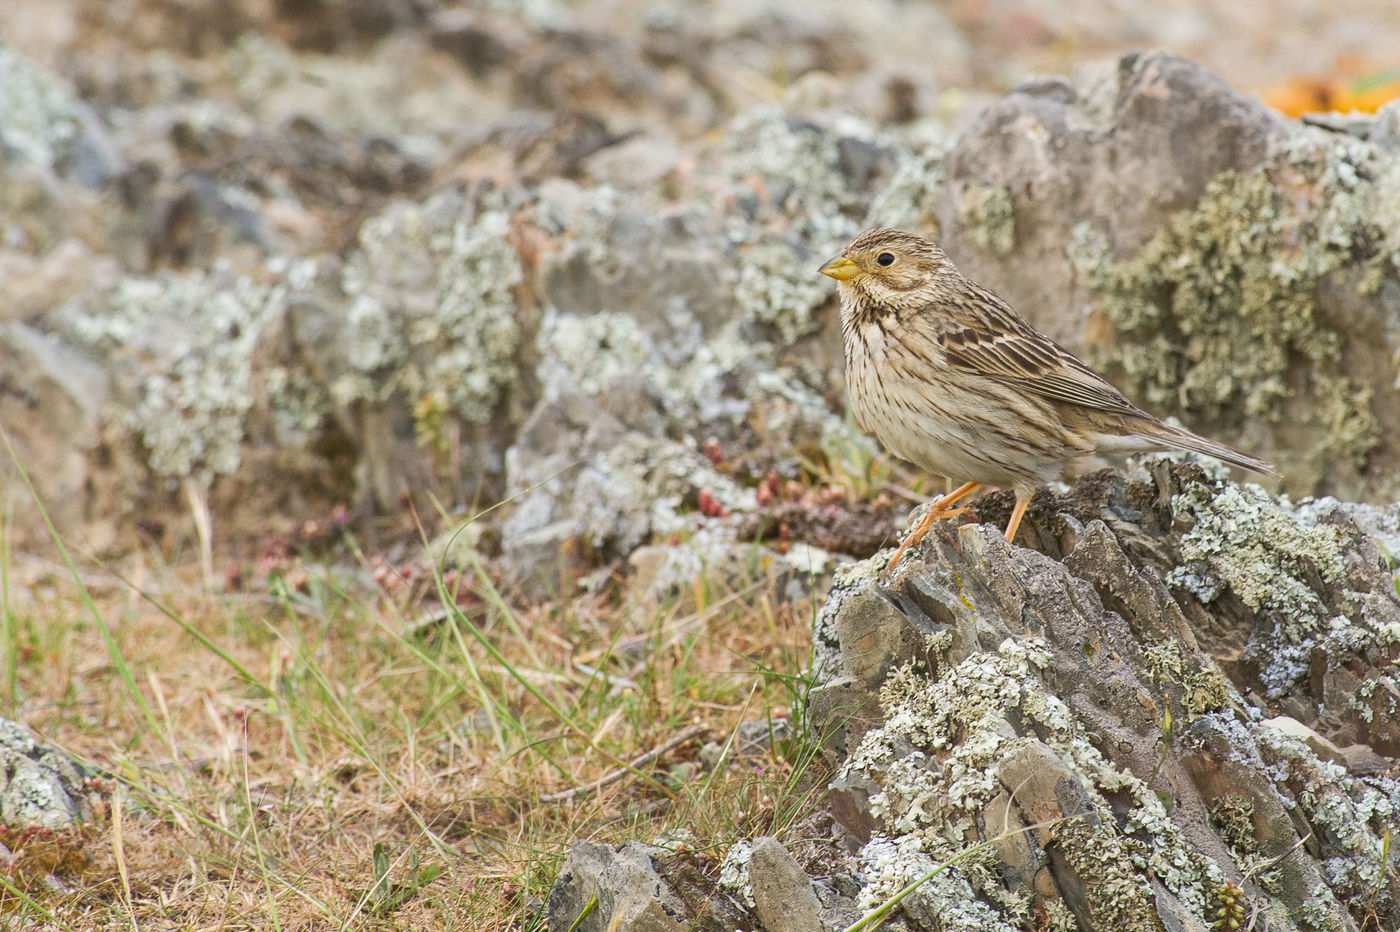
[1312, 93]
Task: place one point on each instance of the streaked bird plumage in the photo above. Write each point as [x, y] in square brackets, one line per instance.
[947, 376]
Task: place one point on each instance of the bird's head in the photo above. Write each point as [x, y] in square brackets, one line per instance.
[890, 269]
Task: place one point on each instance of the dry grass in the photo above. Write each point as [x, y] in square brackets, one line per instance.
[299, 756]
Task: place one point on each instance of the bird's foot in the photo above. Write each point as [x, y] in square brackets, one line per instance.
[934, 513]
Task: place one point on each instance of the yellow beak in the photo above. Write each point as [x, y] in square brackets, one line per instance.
[840, 269]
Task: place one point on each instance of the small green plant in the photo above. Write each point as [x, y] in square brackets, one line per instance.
[387, 895]
[430, 419]
[1231, 908]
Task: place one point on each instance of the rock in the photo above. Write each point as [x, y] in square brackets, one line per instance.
[1107, 143]
[580, 473]
[1104, 729]
[1324, 749]
[784, 900]
[216, 372]
[1361, 759]
[1087, 712]
[1108, 728]
[54, 153]
[631, 897]
[51, 405]
[45, 125]
[715, 559]
[1081, 203]
[35, 284]
[38, 785]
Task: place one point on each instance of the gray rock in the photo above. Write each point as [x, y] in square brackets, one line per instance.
[1094, 717]
[1144, 214]
[39, 785]
[717, 559]
[44, 124]
[1122, 145]
[54, 153]
[1082, 731]
[1324, 749]
[650, 268]
[52, 402]
[783, 896]
[631, 897]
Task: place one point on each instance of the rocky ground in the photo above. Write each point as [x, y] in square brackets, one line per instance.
[1174, 709]
[296, 267]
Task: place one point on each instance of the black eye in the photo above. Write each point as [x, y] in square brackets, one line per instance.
[885, 259]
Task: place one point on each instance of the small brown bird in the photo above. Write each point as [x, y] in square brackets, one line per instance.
[947, 376]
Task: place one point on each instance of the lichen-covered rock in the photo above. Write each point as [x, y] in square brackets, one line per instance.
[55, 154]
[597, 473]
[1146, 713]
[45, 125]
[423, 355]
[182, 348]
[1104, 713]
[430, 308]
[39, 785]
[418, 326]
[1081, 203]
[715, 559]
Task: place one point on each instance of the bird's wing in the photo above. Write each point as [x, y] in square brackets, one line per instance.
[990, 340]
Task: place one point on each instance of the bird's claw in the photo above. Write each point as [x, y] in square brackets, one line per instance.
[935, 514]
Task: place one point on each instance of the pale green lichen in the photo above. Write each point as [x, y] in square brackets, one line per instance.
[987, 214]
[1206, 690]
[775, 285]
[299, 403]
[636, 489]
[911, 198]
[38, 114]
[1163, 662]
[1233, 818]
[793, 170]
[1241, 270]
[936, 755]
[429, 310]
[1202, 688]
[431, 307]
[186, 343]
[798, 168]
[1058, 917]
[734, 872]
[592, 350]
[889, 865]
[1354, 815]
[1243, 541]
[1319, 910]
[1119, 895]
[1150, 839]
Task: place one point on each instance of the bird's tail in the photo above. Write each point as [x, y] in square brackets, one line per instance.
[1181, 439]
